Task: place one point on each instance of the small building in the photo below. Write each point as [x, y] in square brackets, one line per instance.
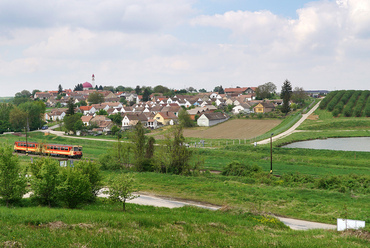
[166, 118]
[210, 119]
[264, 107]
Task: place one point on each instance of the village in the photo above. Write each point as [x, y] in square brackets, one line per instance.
[206, 108]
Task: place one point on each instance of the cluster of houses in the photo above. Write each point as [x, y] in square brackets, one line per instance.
[159, 110]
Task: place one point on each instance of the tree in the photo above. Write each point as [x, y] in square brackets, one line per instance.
[70, 107]
[44, 180]
[185, 119]
[266, 90]
[219, 90]
[160, 89]
[17, 118]
[102, 112]
[121, 189]
[299, 95]
[5, 109]
[21, 97]
[202, 90]
[138, 141]
[137, 90]
[34, 112]
[73, 123]
[286, 93]
[12, 180]
[146, 94]
[78, 87]
[92, 170]
[95, 98]
[60, 89]
[116, 118]
[176, 155]
[120, 88]
[74, 188]
[191, 89]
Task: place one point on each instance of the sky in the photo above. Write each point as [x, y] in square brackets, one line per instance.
[322, 44]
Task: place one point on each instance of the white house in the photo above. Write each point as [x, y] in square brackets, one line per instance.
[210, 119]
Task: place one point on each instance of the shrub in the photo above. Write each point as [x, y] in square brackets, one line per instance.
[75, 187]
[92, 170]
[237, 169]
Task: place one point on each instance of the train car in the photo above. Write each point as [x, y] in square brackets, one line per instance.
[32, 147]
[71, 151]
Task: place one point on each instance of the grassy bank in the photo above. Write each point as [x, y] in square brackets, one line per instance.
[102, 225]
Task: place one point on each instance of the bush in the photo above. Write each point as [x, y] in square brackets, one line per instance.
[75, 187]
[92, 170]
[237, 169]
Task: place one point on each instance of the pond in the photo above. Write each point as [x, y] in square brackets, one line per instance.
[360, 144]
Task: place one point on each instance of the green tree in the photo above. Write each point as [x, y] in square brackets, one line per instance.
[137, 90]
[92, 170]
[12, 180]
[177, 153]
[18, 119]
[116, 118]
[102, 112]
[160, 89]
[70, 107]
[286, 93]
[21, 97]
[299, 96]
[5, 109]
[138, 145]
[202, 90]
[185, 119]
[95, 98]
[74, 188]
[73, 123]
[266, 90]
[60, 89]
[121, 189]
[219, 90]
[146, 94]
[44, 180]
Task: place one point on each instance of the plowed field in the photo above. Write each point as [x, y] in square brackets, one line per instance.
[233, 129]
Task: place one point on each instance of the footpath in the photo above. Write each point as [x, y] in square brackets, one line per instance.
[290, 130]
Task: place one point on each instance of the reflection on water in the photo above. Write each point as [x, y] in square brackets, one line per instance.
[361, 144]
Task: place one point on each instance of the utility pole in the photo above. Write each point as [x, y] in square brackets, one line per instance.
[271, 153]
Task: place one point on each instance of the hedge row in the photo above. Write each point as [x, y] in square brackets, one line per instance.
[335, 100]
[367, 107]
[357, 111]
[327, 99]
[347, 111]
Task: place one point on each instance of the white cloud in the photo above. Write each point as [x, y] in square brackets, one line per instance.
[142, 42]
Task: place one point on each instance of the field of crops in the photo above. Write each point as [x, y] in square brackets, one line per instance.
[234, 129]
[347, 103]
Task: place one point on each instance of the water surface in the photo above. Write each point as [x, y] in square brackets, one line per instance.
[361, 144]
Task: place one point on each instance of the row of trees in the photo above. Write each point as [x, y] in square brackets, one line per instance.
[141, 153]
[347, 102]
[28, 115]
[53, 185]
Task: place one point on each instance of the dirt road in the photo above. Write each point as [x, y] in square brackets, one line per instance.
[290, 130]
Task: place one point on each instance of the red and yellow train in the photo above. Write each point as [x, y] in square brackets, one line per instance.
[70, 151]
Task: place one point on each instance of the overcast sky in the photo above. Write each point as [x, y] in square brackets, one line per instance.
[321, 44]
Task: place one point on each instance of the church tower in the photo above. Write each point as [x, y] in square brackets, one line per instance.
[93, 81]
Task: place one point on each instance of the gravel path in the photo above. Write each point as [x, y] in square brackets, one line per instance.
[290, 130]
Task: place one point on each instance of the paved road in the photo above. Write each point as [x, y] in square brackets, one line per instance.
[290, 130]
[151, 200]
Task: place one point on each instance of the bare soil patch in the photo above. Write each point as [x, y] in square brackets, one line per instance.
[313, 117]
[233, 129]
